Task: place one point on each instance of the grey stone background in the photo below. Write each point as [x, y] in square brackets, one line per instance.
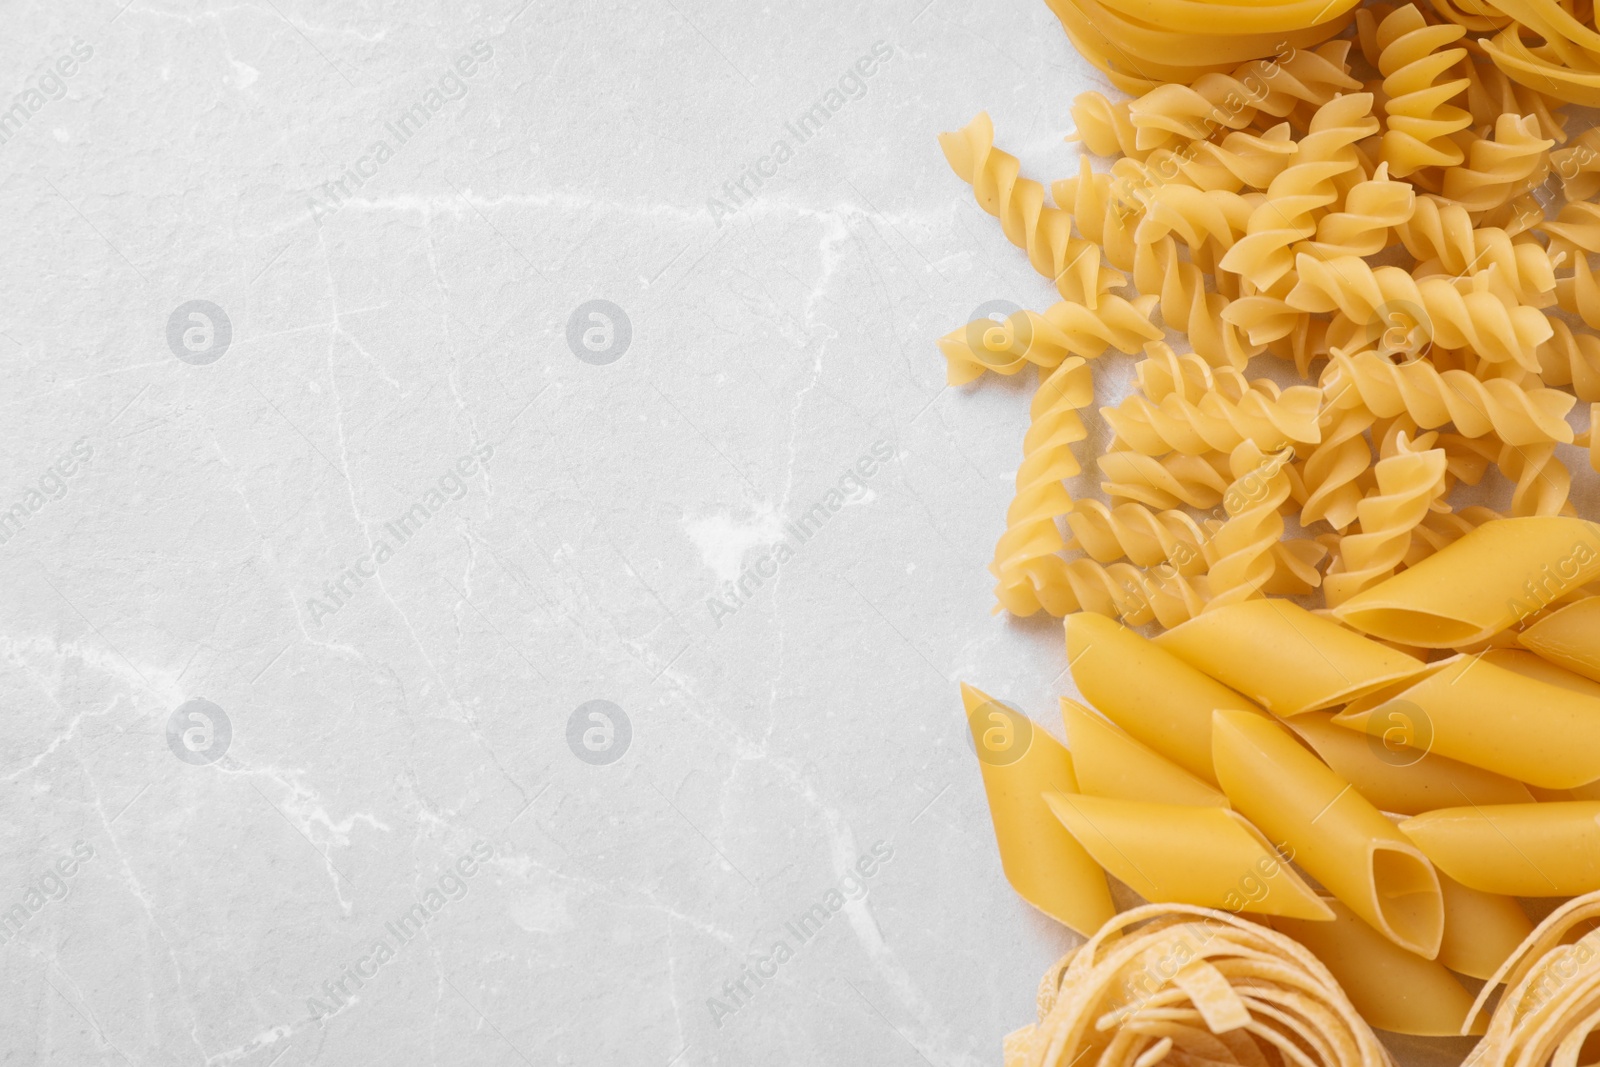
[404, 340]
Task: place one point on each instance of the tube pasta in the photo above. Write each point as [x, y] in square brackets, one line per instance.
[1339, 838]
[1152, 694]
[1569, 638]
[1171, 854]
[1204, 985]
[1393, 989]
[1400, 777]
[1044, 864]
[1520, 850]
[1109, 763]
[1481, 584]
[1315, 662]
[1481, 930]
[1471, 710]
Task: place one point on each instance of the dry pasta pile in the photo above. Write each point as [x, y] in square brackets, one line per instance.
[1413, 247]
[1381, 810]
[1549, 45]
[1366, 724]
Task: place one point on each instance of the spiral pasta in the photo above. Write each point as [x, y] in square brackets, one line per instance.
[1025, 557]
[1237, 99]
[1167, 482]
[1410, 482]
[1493, 326]
[1573, 359]
[1515, 414]
[1264, 415]
[1241, 554]
[1332, 470]
[1326, 154]
[1515, 160]
[1414, 58]
[1044, 232]
[1198, 986]
[1371, 211]
[1045, 341]
[1138, 534]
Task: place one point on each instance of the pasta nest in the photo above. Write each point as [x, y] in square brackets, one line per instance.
[1197, 986]
[1551, 1004]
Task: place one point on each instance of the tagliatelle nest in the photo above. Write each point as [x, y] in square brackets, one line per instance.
[1551, 1007]
[1191, 986]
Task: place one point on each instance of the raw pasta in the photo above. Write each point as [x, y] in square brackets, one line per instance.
[1340, 839]
[1042, 861]
[1168, 853]
[1569, 637]
[1152, 694]
[1386, 766]
[1481, 584]
[1110, 763]
[1205, 985]
[1476, 712]
[1520, 850]
[1315, 663]
[1393, 989]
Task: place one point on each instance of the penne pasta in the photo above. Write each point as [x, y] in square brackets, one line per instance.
[1205, 856]
[1569, 637]
[1393, 989]
[1519, 850]
[1339, 838]
[1314, 664]
[1477, 586]
[1540, 669]
[1152, 694]
[1042, 861]
[1111, 764]
[1479, 713]
[1481, 930]
[1399, 778]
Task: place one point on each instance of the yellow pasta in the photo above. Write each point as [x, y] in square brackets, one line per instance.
[1393, 989]
[1519, 850]
[1547, 1011]
[1315, 663]
[1410, 484]
[1152, 694]
[1172, 854]
[1338, 837]
[1474, 711]
[1046, 341]
[1481, 930]
[1415, 60]
[1200, 985]
[1516, 414]
[1481, 584]
[1569, 637]
[1110, 763]
[1385, 764]
[1044, 864]
[1044, 232]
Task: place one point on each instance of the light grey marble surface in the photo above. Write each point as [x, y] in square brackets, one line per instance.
[253, 719]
